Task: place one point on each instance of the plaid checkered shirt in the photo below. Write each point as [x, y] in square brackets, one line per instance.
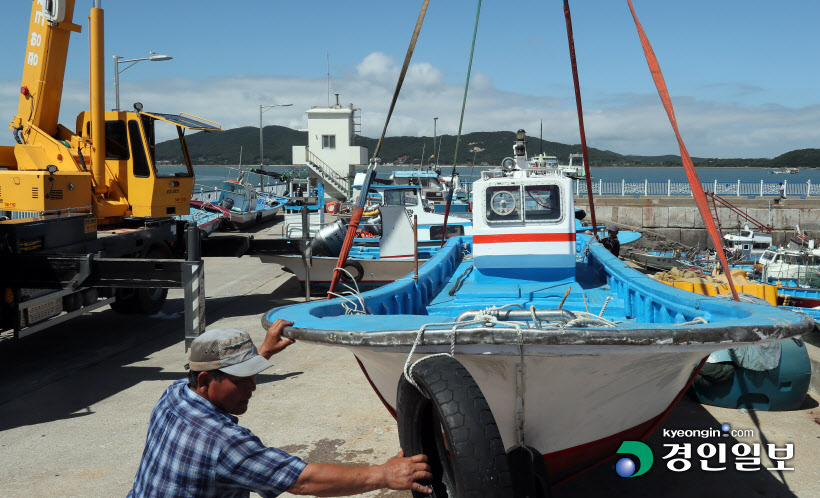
[196, 449]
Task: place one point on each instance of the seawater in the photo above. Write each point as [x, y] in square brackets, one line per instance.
[212, 176]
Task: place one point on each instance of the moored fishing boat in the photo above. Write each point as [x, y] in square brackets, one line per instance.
[246, 205]
[433, 188]
[207, 217]
[790, 265]
[785, 171]
[531, 334]
[747, 244]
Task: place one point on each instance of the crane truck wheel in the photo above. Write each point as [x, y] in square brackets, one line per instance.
[144, 301]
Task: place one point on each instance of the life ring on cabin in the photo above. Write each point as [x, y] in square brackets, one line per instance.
[460, 461]
[355, 269]
[332, 207]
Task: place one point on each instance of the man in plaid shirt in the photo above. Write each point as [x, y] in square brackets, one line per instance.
[195, 447]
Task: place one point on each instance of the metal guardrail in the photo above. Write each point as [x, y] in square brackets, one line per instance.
[670, 188]
[639, 189]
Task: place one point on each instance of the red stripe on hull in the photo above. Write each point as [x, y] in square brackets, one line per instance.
[523, 237]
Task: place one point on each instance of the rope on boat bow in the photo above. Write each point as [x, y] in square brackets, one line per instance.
[371, 168]
[691, 174]
[451, 187]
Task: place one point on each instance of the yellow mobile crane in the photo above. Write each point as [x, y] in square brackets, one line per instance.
[103, 230]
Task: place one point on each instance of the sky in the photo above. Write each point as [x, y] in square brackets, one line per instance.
[743, 74]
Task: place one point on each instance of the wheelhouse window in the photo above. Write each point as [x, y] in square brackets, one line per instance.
[328, 141]
[542, 203]
[452, 231]
[503, 204]
[401, 197]
[529, 203]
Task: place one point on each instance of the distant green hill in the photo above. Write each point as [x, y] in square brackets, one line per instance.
[482, 147]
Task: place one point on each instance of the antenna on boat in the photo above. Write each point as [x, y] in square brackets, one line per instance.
[328, 78]
[541, 137]
[240, 156]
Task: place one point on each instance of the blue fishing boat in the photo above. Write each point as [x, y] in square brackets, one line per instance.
[246, 205]
[207, 217]
[528, 341]
[434, 188]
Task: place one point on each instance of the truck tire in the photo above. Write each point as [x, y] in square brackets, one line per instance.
[141, 300]
[453, 425]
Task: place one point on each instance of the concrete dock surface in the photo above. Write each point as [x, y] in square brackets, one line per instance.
[75, 402]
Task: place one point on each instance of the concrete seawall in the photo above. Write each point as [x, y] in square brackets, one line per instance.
[678, 219]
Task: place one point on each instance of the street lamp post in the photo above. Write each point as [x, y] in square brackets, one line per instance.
[263, 108]
[154, 57]
[434, 140]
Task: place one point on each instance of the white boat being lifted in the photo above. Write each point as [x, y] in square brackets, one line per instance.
[528, 342]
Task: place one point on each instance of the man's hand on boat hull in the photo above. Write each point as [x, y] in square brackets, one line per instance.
[274, 342]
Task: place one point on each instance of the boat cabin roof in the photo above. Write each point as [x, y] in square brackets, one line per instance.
[415, 174]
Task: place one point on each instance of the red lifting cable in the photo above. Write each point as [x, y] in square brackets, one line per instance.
[580, 116]
[691, 174]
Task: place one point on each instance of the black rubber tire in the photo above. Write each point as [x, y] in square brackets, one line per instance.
[150, 301]
[455, 428]
[530, 473]
[355, 269]
[143, 301]
[125, 302]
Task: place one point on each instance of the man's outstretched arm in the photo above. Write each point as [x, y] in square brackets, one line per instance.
[319, 479]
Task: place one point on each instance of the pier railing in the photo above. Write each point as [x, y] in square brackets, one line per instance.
[670, 188]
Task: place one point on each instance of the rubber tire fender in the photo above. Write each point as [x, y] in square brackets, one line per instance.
[451, 422]
[355, 268]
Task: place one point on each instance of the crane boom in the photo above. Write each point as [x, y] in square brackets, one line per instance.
[41, 89]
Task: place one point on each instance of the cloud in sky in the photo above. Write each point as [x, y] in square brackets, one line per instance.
[624, 123]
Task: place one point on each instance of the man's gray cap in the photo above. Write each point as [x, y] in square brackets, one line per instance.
[228, 350]
[613, 228]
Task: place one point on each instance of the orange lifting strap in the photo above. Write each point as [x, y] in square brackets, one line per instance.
[691, 174]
